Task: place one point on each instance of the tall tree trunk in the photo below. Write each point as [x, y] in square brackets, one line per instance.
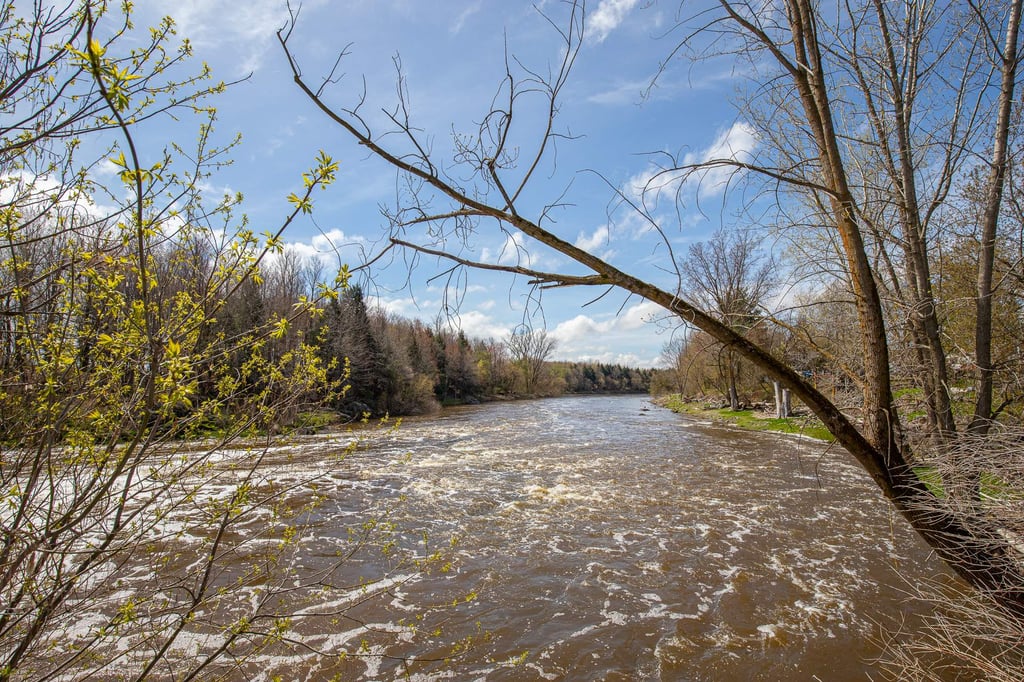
[881, 420]
[924, 322]
[782, 407]
[990, 223]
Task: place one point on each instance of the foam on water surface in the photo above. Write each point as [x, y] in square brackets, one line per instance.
[601, 544]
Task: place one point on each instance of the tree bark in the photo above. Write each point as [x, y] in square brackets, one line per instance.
[733, 370]
[923, 311]
[989, 227]
[808, 74]
[781, 401]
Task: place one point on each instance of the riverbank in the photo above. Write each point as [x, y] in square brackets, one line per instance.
[751, 420]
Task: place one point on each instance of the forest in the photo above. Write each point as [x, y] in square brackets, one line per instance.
[382, 364]
[154, 344]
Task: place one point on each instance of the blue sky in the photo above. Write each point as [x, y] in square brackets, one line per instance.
[452, 53]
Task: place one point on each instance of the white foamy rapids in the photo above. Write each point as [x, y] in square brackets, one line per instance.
[590, 537]
[598, 540]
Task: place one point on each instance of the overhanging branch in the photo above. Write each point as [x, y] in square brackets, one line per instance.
[546, 280]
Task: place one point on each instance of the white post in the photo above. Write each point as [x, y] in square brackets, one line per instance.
[781, 401]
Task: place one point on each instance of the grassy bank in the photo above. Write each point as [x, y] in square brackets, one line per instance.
[747, 419]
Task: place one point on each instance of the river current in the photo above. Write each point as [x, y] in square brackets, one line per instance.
[603, 538]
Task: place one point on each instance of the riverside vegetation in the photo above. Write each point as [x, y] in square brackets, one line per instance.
[752, 420]
[138, 312]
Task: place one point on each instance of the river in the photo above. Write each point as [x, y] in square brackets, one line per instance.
[603, 538]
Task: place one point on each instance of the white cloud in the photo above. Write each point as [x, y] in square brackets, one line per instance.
[615, 358]
[735, 144]
[512, 252]
[607, 17]
[738, 142]
[583, 327]
[629, 92]
[406, 307]
[586, 338]
[598, 243]
[333, 247]
[595, 241]
[479, 325]
[214, 192]
[43, 194]
[106, 168]
[335, 240]
[637, 316]
[476, 323]
[651, 185]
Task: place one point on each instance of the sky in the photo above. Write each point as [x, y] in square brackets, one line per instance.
[617, 119]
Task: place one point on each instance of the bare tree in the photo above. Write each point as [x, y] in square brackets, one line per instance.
[1007, 58]
[529, 350]
[695, 360]
[728, 277]
[807, 164]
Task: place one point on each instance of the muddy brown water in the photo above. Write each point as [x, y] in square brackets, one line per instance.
[608, 539]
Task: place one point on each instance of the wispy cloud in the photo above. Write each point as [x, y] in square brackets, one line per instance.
[670, 85]
[654, 183]
[608, 16]
[246, 29]
[587, 338]
[626, 92]
[460, 21]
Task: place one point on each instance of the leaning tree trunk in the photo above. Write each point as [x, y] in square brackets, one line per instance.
[976, 551]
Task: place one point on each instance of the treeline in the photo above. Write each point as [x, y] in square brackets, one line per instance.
[378, 363]
[586, 377]
[386, 364]
[272, 319]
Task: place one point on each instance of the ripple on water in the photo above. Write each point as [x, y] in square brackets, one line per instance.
[610, 543]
